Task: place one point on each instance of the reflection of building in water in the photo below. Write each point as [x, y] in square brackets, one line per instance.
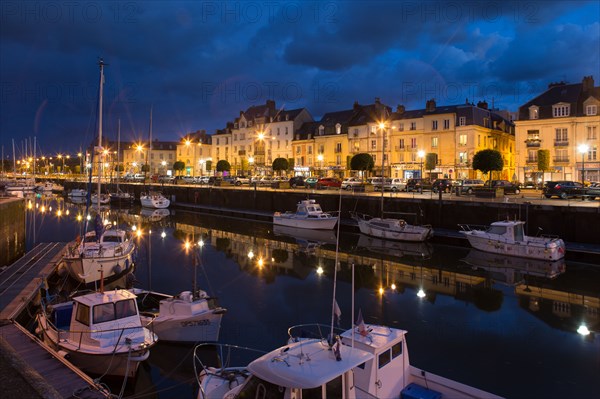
[560, 304]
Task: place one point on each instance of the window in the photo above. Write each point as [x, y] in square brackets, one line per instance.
[562, 134]
[356, 146]
[373, 144]
[310, 149]
[462, 139]
[401, 144]
[562, 155]
[462, 121]
[413, 126]
[396, 350]
[533, 135]
[592, 153]
[446, 124]
[560, 110]
[434, 125]
[434, 142]
[298, 150]
[462, 157]
[384, 358]
[355, 132]
[338, 147]
[591, 110]
[534, 112]
[413, 142]
[235, 137]
[83, 314]
[592, 133]
[321, 130]
[338, 128]
[104, 312]
[338, 159]
[278, 131]
[532, 156]
[321, 148]
[401, 128]
[125, 308]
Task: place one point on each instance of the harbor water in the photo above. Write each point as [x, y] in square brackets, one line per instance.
[504, 325]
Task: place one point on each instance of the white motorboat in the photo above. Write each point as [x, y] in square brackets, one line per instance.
[508, 238]
[121, 197]
[44, 187]
[77, 193]
[308, 215]
[20, 185]
[106, 253]
[391, 228]
[154, 199]
[182, 318]
[368, 361]
[101, 332]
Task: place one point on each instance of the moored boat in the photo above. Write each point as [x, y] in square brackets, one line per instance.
[101, 332]
[308, 215]
[391, 228]
[153, 199]
[77, 193]
[508, 238]
[182, 318]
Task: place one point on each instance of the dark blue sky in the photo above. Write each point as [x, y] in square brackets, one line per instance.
[199, 63]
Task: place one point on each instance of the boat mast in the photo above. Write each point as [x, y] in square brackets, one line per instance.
[382, 127]
[118, 151]
[100, 163]
[148, 158]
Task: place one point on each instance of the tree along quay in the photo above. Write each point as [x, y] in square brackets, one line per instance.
[576, 224]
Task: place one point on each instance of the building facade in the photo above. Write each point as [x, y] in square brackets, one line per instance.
[565, 121]
[195, 151]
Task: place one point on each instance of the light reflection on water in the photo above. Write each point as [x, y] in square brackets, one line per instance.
[503, 325]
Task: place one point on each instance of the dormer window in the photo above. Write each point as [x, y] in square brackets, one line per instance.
[321, 130]
[338, 128]
[287, 117]
[561, 110]
[591, 110]
[534, 112]
[235, 125]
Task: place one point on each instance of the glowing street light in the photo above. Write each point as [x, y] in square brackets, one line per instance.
[421, 154]
[320, 159]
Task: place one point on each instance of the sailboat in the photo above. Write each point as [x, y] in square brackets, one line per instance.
[390, 228]
[104, 252]
[153, 199]
[365, 361]
[118, 196]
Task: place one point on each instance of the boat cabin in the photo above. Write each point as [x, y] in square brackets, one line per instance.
[510, 230]
[99, 318]
[308, 207]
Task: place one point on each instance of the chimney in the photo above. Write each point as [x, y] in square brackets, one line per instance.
[377, 100]
[482, 105]
[356, 105]
[587, 84]
[271, 104]
[400, 109]
[430, 105]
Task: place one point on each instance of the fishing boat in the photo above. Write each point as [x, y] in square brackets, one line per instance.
[101, 332]
[106, 252]
[365, 361]
[154, 199]
[391, 228]
[187, 317]
[308, 215]
[508, 238]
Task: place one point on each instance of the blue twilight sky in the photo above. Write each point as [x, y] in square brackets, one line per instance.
[198, 63]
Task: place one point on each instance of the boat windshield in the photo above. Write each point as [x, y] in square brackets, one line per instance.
[500, 230]
[333, 390]
[113, 311]
[518, 232]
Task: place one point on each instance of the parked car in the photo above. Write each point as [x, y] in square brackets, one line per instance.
[468, 185]
[509, 187]
[393, 184]
[239, 180]
[351, 182]
[329, 182]
[165, 179]
[265, 181]
[311, 182]
[418, 184]
[296, 181]
[202, 179]
[563, 189]
[593, 191]
[215, 180]
[443, 185]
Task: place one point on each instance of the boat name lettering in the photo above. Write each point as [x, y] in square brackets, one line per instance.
[194, 323]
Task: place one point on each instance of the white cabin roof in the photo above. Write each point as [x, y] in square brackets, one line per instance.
[96, 298]
[377, 339]
[306, 364]
[507, 223]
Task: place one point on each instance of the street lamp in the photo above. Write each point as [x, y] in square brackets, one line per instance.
[583, 148]
[320, 159]
[421, 154]
[251, 162]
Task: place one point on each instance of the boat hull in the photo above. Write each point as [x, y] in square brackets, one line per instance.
[305, 223]
[87, 269]
[408, 233]
[155, 203]
[551, 250]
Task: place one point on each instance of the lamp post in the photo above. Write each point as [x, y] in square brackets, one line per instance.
[421, 154]
[583, 148]
[251, 163]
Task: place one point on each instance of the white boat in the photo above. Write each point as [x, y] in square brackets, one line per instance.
[391, 228]
[44, 187]
[508, 238]
[22, 185]
[364, 362]
[101, 199]
[77, 193]
[121, 197]
[308, 215]
[182, 318]
[100, 333]
[154, 199]
[110, 256]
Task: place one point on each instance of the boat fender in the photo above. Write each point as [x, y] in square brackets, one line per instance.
[117, 269]
[63, 354]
